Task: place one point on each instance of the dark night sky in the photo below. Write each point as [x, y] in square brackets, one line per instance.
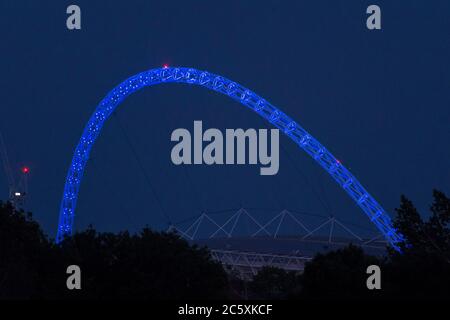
[379, 100]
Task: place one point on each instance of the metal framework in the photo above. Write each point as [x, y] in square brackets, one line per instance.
[244, 96]
[322, 231]
[246, 261]
[247, 264]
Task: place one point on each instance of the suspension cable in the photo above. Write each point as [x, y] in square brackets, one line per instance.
[111, 190]
[305, 178]
[142, 168]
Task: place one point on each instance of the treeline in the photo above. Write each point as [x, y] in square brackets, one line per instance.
[154, 265]
[422, 271]
[148, 265]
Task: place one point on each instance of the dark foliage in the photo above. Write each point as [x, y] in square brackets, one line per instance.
[149, 265]
[422, 271]
[339, 274]
[26, 255]
[274, 283]
[153, 265]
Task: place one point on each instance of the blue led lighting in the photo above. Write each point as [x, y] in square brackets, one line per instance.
[239, 93]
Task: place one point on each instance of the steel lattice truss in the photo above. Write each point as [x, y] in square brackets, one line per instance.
[244, 96]
[323, 231]
[247, 264]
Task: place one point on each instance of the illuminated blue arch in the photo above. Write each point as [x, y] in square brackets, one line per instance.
[239, 93]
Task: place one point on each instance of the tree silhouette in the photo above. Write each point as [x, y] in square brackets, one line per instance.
[274, 283]
[24, 251]
[339, 274]
[158, 265]
[148, 265]
[423, 270]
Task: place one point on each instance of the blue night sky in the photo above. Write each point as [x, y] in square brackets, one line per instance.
[378, 100]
